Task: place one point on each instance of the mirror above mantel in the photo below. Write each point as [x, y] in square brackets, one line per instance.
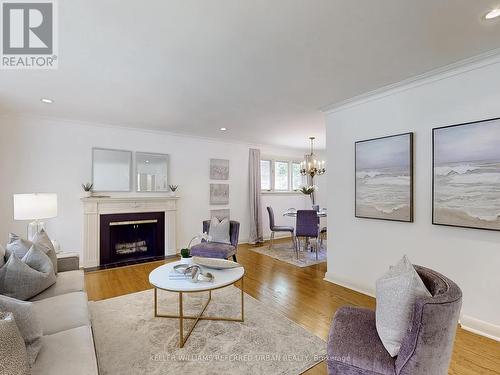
[111, 170]
[152, 172]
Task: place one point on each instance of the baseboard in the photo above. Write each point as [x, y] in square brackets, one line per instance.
[480, 327]
[468, 323]
[349, 285]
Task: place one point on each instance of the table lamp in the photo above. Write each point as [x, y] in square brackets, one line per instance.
[35, 207]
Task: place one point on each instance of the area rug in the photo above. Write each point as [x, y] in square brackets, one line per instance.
[130, 340]
[286, 253]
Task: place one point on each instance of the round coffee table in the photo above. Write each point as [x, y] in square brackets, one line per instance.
[160, 279]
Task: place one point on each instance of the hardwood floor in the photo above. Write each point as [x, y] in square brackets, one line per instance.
[303, 296]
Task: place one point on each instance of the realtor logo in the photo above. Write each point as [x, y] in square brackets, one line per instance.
[29, 39]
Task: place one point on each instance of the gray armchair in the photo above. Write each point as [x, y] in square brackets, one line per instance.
[354, 347]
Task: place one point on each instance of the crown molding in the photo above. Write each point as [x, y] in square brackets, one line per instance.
[477, 62]
[228, 141]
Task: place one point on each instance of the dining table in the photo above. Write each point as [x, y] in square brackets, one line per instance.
[293, 213]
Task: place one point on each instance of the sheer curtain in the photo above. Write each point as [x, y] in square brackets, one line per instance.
[255, 234]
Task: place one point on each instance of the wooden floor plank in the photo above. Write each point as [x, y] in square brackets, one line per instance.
[302, 295]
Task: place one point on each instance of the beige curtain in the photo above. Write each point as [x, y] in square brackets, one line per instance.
[255, 235]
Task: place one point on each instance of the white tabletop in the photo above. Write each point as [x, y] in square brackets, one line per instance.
[294, 214]
[159, 278]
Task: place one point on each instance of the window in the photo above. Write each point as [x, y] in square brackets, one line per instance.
[265, 174]
[280, 175]
[297, 178]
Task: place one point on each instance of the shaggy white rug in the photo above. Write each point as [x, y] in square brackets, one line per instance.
[130, 340]
[285, 252]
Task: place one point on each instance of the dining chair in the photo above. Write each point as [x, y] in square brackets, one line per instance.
[307, 225]
[275, 228]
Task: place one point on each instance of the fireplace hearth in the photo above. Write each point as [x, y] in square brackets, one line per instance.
[131, 237]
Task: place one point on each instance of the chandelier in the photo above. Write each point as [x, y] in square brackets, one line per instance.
[311, 166]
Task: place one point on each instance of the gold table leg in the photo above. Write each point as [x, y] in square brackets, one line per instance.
[197, 318]
[181, 322]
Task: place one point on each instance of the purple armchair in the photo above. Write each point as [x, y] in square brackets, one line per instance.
[354, 347]
[216, 249]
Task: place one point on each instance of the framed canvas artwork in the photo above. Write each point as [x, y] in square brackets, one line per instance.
[466, 175]
[219, 194]
[384, 178]
[219, 169]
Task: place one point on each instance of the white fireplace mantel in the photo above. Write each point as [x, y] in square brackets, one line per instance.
[93, 207]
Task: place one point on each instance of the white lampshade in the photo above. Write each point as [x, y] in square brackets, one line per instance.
[35, 206]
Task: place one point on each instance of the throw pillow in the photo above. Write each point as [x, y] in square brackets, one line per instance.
[23, 279]
[27, 322]
[219, 230]
[17, 245]
[20, 246]
[396, 291]
[13, 358]
[2, 256]
[42, 240]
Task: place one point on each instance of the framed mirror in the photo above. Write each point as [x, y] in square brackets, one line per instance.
[151, 172]
[111, 170]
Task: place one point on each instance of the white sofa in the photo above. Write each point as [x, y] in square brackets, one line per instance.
[67, 344]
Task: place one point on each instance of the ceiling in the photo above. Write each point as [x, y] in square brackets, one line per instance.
[260, 68]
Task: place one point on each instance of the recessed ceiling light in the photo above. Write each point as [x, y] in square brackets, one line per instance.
[223, 129]
[492, 14]
[46, 100]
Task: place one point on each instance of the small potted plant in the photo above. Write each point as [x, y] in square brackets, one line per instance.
[309, 190]
[87, 187]
[173, 189]
[186, 252]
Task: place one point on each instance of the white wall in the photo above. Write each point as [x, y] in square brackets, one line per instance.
[40, 155]
[360, 250]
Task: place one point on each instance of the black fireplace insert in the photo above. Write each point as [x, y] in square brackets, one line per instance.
[131, 237]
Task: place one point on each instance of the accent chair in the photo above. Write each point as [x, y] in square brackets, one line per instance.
[215, 249]
[354, 347]
[276, 228]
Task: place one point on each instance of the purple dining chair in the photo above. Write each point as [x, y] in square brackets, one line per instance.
[276, 228]
[307, 226]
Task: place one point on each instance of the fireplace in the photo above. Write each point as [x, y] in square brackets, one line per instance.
[131, 237]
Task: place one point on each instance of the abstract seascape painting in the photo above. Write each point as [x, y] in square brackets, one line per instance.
[466, 175]
[384, 178]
